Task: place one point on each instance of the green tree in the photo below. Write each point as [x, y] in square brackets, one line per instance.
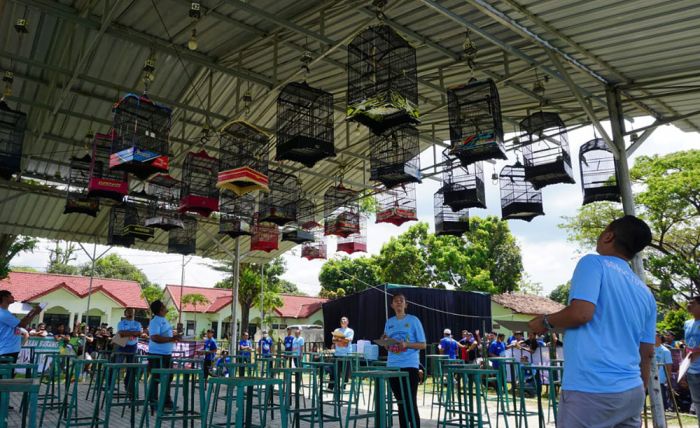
[194, 299]
[331, 295]
[674, 321]
[117, 267]
[287, 287]
[10, 246]
[561, 293]
[152, 293]
[668, 199]
[61, 259]
[343, 276]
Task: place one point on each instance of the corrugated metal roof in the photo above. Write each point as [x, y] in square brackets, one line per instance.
[256, 46]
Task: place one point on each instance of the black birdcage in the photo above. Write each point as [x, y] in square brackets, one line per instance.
[397, 205]
[140, 140]
[77, 199]
[519, 199]
[341, 211]
[546, 150]
[355, 243]
[184, 240]
[162, 191]
[236, 214]
[279, 206]
[12, 126]
[463, 186]
[104, 182]
[198, 192]
[382, 80]
[265, 236]
[447, 221]
[394, 156]
[476, 127]
[304, 124]
[316, 250]
[297, 235]
[125, 226]
[243, 158]
[598, 172]
[307, 215]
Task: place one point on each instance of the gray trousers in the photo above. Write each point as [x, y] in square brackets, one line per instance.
[590, 410]
[694, 387]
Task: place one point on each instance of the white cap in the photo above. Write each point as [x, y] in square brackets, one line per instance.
[447, 331]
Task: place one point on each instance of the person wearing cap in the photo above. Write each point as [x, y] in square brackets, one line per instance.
[161, 344]
[265, 345]
[448, 346]
[601, 388]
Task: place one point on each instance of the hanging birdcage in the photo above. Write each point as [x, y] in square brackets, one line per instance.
[198, 191]
[476, 127]
[12, 126]
[105, 182]
[463, 186]
[265, 236]
[77, 199]
[519, 199]
[140, 139]
[394, 156]
[279, 206]
[236, 214]
[317, 249]
[184, 240]
[304, 124]
[598, 172]
[447, 221]
[162, 191]
[307, 215]
[297, 235]
[243, 158]
[125, 226]
[546, 150]
[355, 243]
[397, 205]
[382, 80]
[341, 211]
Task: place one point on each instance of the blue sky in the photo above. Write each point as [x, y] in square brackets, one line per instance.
[548, 258]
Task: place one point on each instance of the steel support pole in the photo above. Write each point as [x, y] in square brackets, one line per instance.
[234, 296]
[262, 296]
[617, 125]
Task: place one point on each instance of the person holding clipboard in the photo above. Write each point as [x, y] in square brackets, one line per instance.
[10, 333]
[404, 338]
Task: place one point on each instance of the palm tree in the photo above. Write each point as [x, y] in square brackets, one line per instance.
[193, 299]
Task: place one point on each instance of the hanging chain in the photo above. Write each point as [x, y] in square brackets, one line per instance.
[306, 59]
[470, 49]
[379, 6]
[149, 67]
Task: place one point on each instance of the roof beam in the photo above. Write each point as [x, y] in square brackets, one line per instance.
[637, 142]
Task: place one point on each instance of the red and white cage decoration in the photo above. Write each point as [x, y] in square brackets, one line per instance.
[265, 236]
[198, 191]
[357, 242]
[397, 205]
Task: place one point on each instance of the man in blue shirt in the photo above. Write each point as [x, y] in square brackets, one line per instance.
[288, 340]
[448, 346]
[497, 349]
[161, 343]
[610, 327]
[665, 363]
[209, 352]
[297, 347]
[342, 341]
[10, 333]
[245, 346]
[408, 337]
[128, 327]
[692, 341]
[265, 345]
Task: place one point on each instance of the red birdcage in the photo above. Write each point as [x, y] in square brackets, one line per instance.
[317, 249]
[355, 243]
[243, 158]
[265, 236]
[397, 205]
[104, 182]
[198, 192]
[341, 211]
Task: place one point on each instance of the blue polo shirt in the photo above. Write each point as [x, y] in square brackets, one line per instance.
[497, 348]
[241, 344]
[10, 338]
[298, 345]
[130, 325]
[210, 345]
[624, 317]
[341, 350]
[449, 347]
[288, 340]
[408, 329]
[265, 345]
[161, 327]
[692, 340]
[663, 357]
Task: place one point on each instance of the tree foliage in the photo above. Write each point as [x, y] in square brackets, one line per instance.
[62, 257]
[10, 246]
[194, 299]
[152, 293]
[487, 258]
[117, 267]
[561, 293]
[674, 321]
[668, 199]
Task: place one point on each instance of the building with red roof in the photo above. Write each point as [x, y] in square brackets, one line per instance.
[67, 297]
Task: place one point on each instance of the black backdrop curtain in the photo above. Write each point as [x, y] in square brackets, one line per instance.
[366, 311]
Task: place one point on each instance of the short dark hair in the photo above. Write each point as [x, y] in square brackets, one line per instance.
[501, 335]
[5, 293]
[632, 235]
[156, 306]
[695, 299]
[399, 294]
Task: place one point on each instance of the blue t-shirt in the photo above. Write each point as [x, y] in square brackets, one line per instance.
[408, 329]
[288, 340]
[692, 340]
[161, 327]
[449, 347]
[663, 357]
[10, 338]
[210, 345]
[265, 345]
[497, 348]
[298, 345]
[244, 343]
[624, 317]
[341, 350]
[130, 325]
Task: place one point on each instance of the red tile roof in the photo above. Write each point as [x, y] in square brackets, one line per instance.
[31, 286]
[527, 303]
[219, 298]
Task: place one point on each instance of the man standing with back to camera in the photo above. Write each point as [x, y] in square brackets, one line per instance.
[610, 333]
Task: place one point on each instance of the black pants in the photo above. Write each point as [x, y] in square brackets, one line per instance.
[128, 359]
[413, 385]
[343, 369]
[206, 366]
[165, 362]
[13, 356]
[666, 398]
